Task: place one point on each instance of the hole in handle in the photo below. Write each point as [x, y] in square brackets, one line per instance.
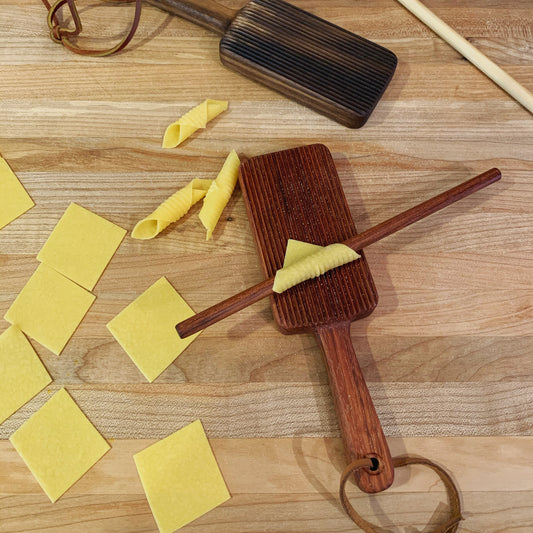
[375, 465]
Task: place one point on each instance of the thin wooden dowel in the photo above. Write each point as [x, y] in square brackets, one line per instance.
[470, 52]
[214, 314]
[420, 211]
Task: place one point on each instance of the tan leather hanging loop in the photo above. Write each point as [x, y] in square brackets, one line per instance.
[451, 524]
[64, 35]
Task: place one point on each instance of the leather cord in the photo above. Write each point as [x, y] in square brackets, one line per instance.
[450, 526]
[64, 35]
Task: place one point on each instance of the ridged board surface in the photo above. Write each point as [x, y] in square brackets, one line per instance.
[297, 194]
[338, 73]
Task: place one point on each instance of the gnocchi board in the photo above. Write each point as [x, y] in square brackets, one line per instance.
[297, 194]
[333, 71]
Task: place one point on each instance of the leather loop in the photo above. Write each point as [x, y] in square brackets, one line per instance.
[64, 35]
[450, 526]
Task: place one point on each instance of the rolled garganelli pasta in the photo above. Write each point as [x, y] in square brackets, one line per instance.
[219, 193]
[316, 263]
[172, 209]
[195, 119]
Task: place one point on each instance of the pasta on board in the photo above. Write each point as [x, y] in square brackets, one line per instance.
[195, 119]
[297, 250]
[219, 193]
[171, 210]
[313, 265]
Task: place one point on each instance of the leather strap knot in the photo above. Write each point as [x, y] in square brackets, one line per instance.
[54, 33]
[450, 526]
[62, 35]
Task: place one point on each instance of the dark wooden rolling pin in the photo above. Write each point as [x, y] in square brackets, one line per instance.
[214, 314]
[333, 71]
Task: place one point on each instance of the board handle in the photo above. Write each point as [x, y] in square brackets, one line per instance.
[359, 423]
[206, 13]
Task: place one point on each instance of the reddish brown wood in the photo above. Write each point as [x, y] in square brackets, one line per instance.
[358, 420]
[225, 308]
[310, 60]
[297, 194]
[242, 300]
[424, 209]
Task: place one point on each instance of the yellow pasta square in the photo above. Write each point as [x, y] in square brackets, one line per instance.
[59, 444]
[146, 329]
[14, 200]
[81, 245]
[22, 375]
[181, 478]
[49, 308]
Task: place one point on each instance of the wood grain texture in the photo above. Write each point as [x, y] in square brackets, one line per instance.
[335, 72]
[446, 353]
[299, 478]
[297, 194]
[471, 53]
[384, 229]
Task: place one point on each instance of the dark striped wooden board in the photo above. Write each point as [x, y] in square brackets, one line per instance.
[318, 64]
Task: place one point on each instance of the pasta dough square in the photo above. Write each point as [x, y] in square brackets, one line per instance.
[59, 444]
[14, 200]
[22, 375]
[81, 245]
[146, 329]
[181, 478]
[299, 250]
[49, 308]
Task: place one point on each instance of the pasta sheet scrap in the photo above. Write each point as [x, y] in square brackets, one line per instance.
[196, 118]
[310, 266]
[171, 210]
[81, 245]
[146, 329]
[14, 200]
[181, 478]
[59, 444]
[298, 250]
[49, 308]
[22, 375]
[220, 193]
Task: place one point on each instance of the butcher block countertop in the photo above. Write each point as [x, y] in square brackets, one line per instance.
[448, 352]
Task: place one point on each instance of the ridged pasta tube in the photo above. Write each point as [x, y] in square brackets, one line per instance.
[219, 193]
[313, 265]
[196, 118]
[171, 210]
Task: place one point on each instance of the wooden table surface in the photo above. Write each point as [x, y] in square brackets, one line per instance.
[447, 354]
